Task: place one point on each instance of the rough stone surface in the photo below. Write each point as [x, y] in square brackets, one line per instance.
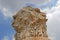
[30, 24]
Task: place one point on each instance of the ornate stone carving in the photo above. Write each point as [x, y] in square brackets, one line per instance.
[30, 22]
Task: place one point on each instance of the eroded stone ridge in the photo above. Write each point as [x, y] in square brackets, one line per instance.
[30, 22]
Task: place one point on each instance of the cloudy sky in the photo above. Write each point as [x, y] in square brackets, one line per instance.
[10, 7]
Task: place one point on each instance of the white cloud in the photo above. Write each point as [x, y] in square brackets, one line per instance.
[51, 38]
[53, 23]
[54, 11]
[7, 13]
[9, 7]
[5, 38]
[8, 38]
[13, 38]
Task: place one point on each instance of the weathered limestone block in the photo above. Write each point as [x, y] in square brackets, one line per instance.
[30, 24]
